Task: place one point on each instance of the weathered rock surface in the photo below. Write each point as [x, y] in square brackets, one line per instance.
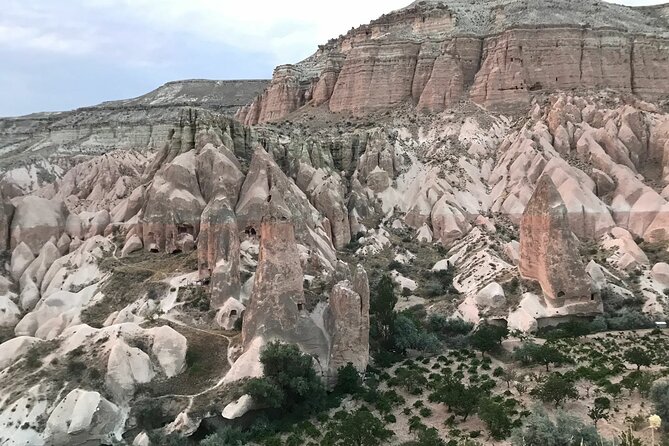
[36, 220]
[433, 53]
[348, 324]
[548, 250]
[82, 417]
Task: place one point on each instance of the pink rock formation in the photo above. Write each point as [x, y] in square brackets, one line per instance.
[432, 54]
[348, 324]
[548, 249]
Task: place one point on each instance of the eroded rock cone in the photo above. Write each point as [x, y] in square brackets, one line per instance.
[548, 249]
[278, 295]
[348, 324]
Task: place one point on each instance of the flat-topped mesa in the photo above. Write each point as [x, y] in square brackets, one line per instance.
[498, 53]
[549, 252]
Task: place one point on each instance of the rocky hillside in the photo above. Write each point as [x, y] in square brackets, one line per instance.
[42, 146]
[434, 54]
[172, 273]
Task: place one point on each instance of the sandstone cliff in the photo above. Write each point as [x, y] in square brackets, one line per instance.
[433, 54]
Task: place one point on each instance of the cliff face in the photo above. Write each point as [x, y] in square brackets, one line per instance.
[497, 52]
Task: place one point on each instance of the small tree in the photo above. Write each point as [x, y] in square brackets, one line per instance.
[659, 394]
[539, 429]
[547, 355]
[382, 309]
[495, 416]
[349, 380]
[556, 389]
[460, 399]
[600, 409]
[639, 357]
[487, 337]
[289, 381]
[428, 437]
[359, 428]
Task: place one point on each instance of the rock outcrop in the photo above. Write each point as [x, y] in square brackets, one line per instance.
[36, 220]
[348, 324]
[549, 251]
[434, 53]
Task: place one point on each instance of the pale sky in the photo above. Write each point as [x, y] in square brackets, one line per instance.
[63, 54]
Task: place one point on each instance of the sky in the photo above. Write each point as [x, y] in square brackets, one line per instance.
[63, 54]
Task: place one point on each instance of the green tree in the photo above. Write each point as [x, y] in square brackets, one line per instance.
[428, 437]
[556, 389]
[659, 395]
[539, 429]
[349, 380]
[227, 436]
[639, 357]
[407, 335]
[359, 428]
[638, 380]
[289, 381]
[382, 309]
[460, 399]
[495, 416]
[487, 337]
[600, 409]
[547, 355]
[265, 392]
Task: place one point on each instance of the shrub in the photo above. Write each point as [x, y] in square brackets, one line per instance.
[448, 327]
[538, 429]
[488, 337]
[349, 380]
[495, 416]
[360, 427]
[289, 381]
[407, 335]
[598, 325]
[556, 389]
[659, 395]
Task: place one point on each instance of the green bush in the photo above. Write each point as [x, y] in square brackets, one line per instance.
[538, 429]
[408, 335]
[360, 427]
[555, 389]
[290, 381]
[659, 395]
[495, 416]
[349, 380]
[488, 337]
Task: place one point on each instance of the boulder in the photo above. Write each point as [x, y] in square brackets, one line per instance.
[660, 274]
[169, 348]
[98, 223]
[238, 408]
[491, 296]
[126, 368]
[12, 350]
[133, 244]
[22, 257]
[83, 417]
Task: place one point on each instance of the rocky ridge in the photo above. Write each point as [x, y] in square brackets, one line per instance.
[120, 264]
[433, 54]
